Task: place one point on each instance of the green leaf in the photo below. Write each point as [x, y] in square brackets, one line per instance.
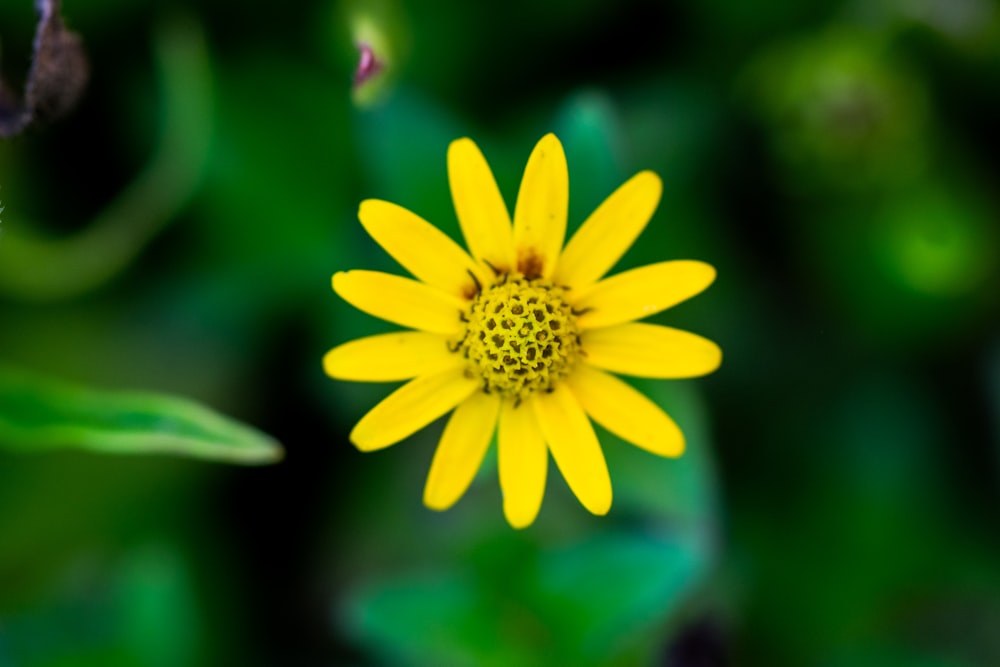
[430, 618]
[604, 621]
[405, 152]
[39, 413]
[589, 128]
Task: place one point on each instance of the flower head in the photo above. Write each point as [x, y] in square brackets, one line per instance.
[520, 335]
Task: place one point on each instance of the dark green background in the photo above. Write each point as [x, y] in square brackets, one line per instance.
[835, 161]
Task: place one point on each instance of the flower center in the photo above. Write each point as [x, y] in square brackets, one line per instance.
[520, 336]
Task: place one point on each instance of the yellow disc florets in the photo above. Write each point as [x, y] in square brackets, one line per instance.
[520, 336]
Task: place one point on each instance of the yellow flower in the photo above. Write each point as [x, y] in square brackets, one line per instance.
[518, 334]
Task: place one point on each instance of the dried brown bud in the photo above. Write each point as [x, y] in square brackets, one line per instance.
[57, 77]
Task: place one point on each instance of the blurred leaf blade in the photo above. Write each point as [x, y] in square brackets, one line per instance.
[614, 617]
[433, 616]
[39, 413]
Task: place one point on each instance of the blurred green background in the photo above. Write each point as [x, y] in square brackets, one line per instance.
[837, 161]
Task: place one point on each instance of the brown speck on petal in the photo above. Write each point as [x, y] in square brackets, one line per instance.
[530, 264]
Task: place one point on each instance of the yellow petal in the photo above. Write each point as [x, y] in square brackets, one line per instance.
[481, 211]
[523, 462]
[626, 412]
[401, 300]
[540, 213]
[649, 350]
[609, 231]
[411, 407]
[390, 357]
[421, 248]
[460, 452]
[574, 447]
[641, 292]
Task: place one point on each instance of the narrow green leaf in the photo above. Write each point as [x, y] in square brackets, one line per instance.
[38, 413]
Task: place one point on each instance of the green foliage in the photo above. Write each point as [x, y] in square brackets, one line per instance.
[38, 414]
[843, 112]
[141, 613]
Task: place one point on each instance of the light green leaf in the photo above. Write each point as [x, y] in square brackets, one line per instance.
[39, 413]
